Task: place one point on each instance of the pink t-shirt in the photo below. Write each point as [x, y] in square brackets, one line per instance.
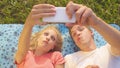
[45, 61]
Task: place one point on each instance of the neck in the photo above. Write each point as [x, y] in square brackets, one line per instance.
[38, 53]
[90, 46]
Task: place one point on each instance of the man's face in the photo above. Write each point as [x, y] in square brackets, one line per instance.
[81, 35]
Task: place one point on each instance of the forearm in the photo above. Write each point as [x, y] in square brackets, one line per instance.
[110, 34]
[24, 42]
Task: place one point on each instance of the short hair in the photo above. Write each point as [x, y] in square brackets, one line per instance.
[58, 46]
[69, 28]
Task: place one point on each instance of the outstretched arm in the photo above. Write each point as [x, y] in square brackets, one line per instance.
[85, 16]
[110, 34]
[37, 12]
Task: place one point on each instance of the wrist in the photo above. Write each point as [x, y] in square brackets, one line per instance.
[29, 23]
[97, 23]
[94, 20]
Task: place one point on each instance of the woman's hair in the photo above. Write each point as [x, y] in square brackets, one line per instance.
[34, 43]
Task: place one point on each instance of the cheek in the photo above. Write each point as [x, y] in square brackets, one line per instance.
[39, 43]
[52, 43]
[51, 46]
[87, 37]
[90, 35]
[75, 39]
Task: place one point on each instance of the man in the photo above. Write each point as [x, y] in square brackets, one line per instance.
[107, 56]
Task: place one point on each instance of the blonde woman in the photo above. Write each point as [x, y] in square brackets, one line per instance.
[42, 50]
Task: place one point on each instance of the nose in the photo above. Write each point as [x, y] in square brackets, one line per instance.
[47, 38]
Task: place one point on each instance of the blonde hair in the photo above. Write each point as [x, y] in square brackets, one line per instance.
[33, 42]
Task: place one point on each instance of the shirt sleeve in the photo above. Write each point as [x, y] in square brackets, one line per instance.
[57, 58]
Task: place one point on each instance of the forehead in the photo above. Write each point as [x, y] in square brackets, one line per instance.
[50, 31]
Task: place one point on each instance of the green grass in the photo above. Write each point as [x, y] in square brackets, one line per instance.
[16, 11]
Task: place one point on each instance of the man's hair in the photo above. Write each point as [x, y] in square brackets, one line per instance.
[34, 43]
[88, 27]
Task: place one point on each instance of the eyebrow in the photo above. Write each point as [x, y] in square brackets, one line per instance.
[74, 28]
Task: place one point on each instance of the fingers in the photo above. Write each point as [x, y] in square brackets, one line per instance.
[87, 13]
[92, 66]
[42, 6]
[71, 8]
[43, 10]
[83, 14]
[38, 16]
[69, 25]
[37, 11]
[95, 66]
[79, 13]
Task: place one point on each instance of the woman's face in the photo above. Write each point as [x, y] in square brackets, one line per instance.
[47, 40]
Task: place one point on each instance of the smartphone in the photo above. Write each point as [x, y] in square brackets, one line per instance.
[60, 17]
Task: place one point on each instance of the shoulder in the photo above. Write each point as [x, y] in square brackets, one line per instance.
[104, 51]
[106, 47]
[57, 57]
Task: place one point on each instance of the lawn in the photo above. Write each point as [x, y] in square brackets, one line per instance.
[16, 11]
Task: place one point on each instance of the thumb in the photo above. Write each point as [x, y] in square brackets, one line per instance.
[69, 9]
[95, 66]
[70, 25]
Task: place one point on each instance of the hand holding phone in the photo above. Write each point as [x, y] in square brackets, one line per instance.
[60, 17]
